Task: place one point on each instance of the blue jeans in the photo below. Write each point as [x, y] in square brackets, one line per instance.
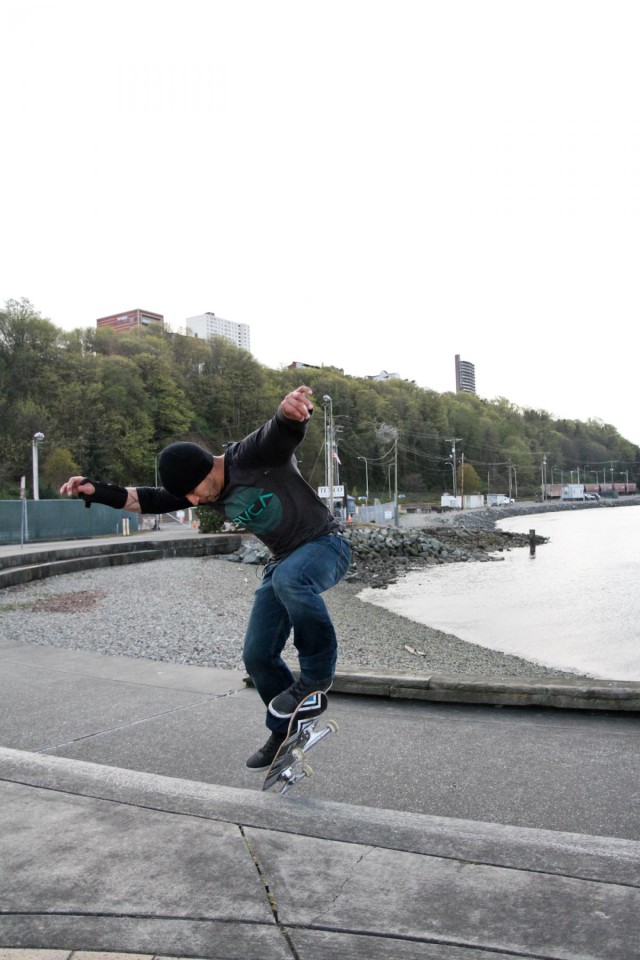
[289, 598]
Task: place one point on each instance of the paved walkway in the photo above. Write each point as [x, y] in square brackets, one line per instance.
[18, 954]
[129, 824]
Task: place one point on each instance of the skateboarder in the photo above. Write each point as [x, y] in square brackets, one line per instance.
[256, 483]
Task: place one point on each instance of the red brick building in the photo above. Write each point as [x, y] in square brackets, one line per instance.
[131, 320]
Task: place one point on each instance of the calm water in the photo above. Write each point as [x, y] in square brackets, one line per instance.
[576, 606]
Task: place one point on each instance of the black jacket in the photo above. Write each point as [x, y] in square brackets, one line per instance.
[263, 490]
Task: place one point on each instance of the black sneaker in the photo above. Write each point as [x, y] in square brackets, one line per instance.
[263, 758]
[286, 703]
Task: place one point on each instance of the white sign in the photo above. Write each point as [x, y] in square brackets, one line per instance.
[323, 492]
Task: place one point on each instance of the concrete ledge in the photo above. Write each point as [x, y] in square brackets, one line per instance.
[151, 864]
[41, 571]
[598, 859]
[17, 568]
[578, 694]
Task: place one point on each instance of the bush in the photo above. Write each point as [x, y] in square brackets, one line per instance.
[209, 519]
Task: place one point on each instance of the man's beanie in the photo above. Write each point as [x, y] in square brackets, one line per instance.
[182, 466]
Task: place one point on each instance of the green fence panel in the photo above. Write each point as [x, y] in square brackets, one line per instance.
[29, 521]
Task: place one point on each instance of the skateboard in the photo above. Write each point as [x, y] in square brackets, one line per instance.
[290, 762]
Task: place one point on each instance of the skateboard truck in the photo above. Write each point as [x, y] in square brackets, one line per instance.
[290, 763]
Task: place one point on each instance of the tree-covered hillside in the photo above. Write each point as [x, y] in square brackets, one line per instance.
[107, 403]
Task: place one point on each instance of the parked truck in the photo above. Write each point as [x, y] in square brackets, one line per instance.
[498, 500]
[573, 491]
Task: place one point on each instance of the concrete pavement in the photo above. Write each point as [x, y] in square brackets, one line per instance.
[130, 825]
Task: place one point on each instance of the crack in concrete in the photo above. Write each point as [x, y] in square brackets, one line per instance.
[363, 856]
[273, 903]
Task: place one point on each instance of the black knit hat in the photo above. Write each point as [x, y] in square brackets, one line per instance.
[182, 466]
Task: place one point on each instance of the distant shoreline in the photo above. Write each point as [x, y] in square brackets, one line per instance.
[487, 517]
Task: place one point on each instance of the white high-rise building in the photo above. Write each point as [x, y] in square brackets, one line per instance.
[208, 325]
[465, 376]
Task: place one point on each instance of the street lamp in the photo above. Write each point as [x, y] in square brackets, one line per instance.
[515, 480]
[448, 463]
[366, 476]
[37, 438]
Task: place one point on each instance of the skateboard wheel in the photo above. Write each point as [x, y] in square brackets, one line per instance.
[307, 770]
[333, 726]
[297, 754]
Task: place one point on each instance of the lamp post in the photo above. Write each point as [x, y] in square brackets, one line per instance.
[454, 466]
[366, 477]
[37, 438]
[448, 463]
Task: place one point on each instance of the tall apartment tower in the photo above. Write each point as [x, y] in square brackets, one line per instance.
[208, 325]
[131, 320]
[465, 376]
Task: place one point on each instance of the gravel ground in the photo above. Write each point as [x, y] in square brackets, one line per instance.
[194, 611]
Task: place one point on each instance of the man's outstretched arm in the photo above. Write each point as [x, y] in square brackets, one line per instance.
[120, 498]
[135, 499]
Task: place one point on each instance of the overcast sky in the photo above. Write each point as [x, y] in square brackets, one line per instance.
[368, 185]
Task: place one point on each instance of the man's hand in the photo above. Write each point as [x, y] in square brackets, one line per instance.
[75, 486]
[296, 405]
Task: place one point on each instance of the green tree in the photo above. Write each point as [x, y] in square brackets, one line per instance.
[57, 467]
[111, 401]
[468, 479]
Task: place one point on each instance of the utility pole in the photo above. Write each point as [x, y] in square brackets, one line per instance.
[335, 455]
[366, 477]
[453, 441]
[328, 442]
[395, 496]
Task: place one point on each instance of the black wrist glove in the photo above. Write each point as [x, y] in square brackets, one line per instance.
[108, 493]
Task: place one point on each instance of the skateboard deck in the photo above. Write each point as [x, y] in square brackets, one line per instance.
[290, 762]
